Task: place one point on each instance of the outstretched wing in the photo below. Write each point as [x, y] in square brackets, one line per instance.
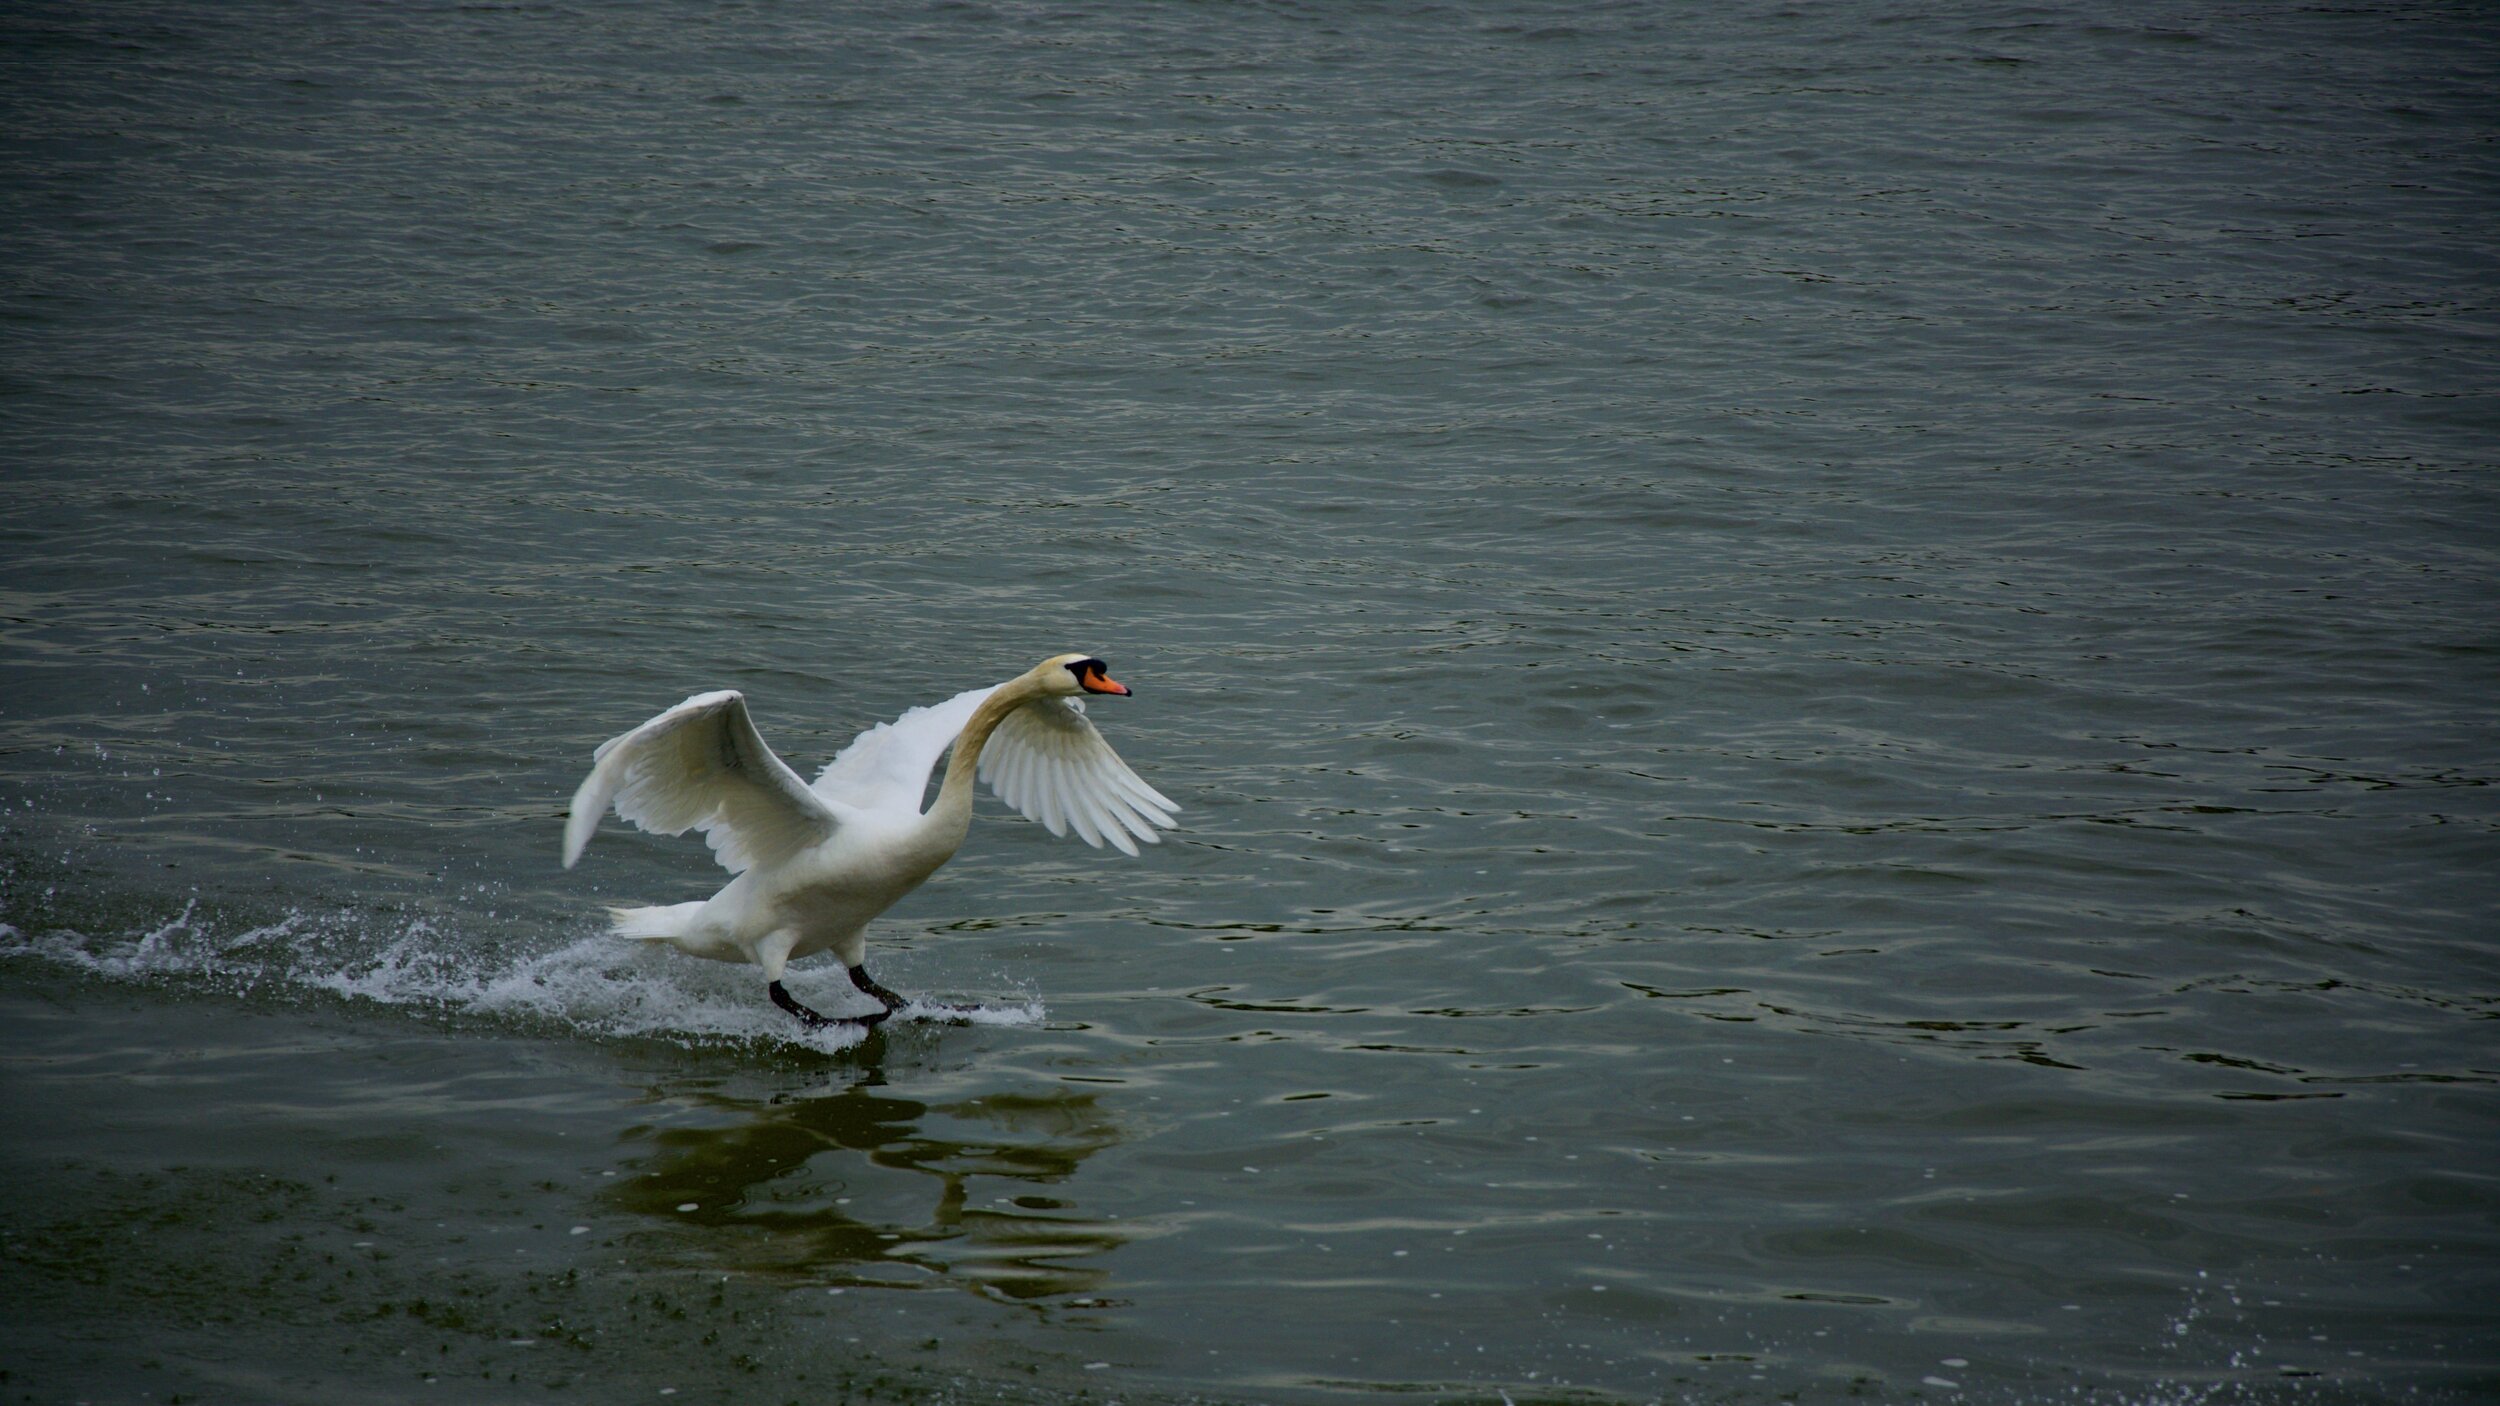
[1047, 761]
[702, 766]
[887, 767]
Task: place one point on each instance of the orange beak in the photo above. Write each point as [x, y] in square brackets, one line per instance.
[1096, 681]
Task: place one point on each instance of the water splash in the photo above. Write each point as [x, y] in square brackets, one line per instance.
[591, 985]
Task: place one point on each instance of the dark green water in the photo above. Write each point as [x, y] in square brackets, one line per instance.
[1829, 670]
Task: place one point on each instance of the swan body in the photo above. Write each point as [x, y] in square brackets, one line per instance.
[815, 863]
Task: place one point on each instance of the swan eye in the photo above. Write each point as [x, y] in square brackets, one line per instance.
[1087, 669]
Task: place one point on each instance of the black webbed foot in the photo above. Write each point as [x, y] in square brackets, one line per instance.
[814, 1020]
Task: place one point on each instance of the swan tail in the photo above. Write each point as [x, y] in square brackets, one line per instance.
[666, 922]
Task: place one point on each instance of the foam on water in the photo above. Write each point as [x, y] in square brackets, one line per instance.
[594, 985]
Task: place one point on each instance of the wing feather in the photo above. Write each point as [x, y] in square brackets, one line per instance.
[702, 766]
[1011, 769]
[1042, 791]
[1082, 815]
[887, 767]
[1049, 762]
[1147, 801]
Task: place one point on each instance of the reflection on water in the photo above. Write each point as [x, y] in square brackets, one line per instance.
[856, 1186]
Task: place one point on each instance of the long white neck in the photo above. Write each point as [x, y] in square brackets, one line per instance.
[949, 817]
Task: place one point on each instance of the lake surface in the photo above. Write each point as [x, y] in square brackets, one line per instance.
[1830, 670]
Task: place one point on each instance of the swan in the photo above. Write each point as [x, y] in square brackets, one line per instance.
[815, 863]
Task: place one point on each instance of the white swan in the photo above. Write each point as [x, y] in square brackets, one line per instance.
[814, 864]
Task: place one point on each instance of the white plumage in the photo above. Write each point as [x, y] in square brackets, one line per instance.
[815, 863]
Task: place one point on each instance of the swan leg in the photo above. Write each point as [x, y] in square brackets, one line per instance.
[866, 983]
[816, 1021]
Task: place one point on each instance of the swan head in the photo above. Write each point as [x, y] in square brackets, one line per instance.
[1066, 675]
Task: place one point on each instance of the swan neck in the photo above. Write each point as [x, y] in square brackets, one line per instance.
[952, 810]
